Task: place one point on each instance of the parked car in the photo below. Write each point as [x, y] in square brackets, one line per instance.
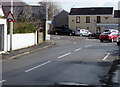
[108, 36]
[50, 31]
[83, 32]
[63, 31]
[111, 30]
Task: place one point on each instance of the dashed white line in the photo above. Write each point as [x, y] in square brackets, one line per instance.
[58, 37]
[37, 66]
[106, 56]
[64, 55]
[2, 81]
[77, 49]
[88, 45]
[75, 42]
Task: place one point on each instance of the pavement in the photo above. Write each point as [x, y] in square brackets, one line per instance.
[116, 74]
[112, 78]
[25, 51]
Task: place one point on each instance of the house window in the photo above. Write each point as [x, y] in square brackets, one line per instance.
[98, 19]
[88, 28]
[77, 19]
[87, 19]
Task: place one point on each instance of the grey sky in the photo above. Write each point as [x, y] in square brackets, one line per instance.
[67, 4]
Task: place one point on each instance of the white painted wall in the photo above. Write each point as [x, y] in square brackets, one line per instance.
[4, 22]
[22, 40]
[48, 23]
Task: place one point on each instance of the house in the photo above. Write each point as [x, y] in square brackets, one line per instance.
[117, 16]
[116, 13]
[3, 32]
[61, 19]
[95, 19]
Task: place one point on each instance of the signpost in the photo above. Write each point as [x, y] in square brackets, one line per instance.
[11, 19]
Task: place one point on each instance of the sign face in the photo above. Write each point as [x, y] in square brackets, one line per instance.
[10, 17]
[107, 24]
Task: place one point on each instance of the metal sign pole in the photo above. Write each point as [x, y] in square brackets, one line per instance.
[11, 27]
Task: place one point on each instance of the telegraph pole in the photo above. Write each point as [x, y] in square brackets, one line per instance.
[11, 27]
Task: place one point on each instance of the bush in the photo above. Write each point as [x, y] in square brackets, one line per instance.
[29, 28]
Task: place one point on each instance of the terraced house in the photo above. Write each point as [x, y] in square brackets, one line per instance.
[95, 19]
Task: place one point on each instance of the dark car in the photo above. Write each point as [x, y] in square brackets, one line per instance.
[63, 31]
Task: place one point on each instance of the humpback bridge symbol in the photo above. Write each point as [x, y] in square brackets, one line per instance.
[10, 17]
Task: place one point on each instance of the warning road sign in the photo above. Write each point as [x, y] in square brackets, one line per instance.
[10, 17]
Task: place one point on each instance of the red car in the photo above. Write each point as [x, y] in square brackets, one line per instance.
[108, 36]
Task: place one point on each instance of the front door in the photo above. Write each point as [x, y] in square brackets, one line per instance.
[1, 37]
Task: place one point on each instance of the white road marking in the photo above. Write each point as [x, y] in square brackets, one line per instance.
[58, 37]
[77, 49]
[88, 45]
[75, 42]
[64, 55]
[91, 39]
[106, 56]
[37, 66]
[2, 81]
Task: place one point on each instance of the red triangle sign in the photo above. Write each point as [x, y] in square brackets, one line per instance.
[10, 17]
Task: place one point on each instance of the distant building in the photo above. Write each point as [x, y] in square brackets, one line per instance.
[20, 8]
[95, 19]
[117, 16]
[61, 19]
[116, 13]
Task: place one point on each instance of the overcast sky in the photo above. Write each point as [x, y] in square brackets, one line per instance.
[68, 4]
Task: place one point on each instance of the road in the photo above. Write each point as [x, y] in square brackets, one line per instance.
[73, 59]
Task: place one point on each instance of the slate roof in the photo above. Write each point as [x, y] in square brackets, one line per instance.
[92, 11]
[15, 3]
[117, 14]
[61, 13]
[37, 12]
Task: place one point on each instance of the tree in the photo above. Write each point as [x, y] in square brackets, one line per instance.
[52, 8]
